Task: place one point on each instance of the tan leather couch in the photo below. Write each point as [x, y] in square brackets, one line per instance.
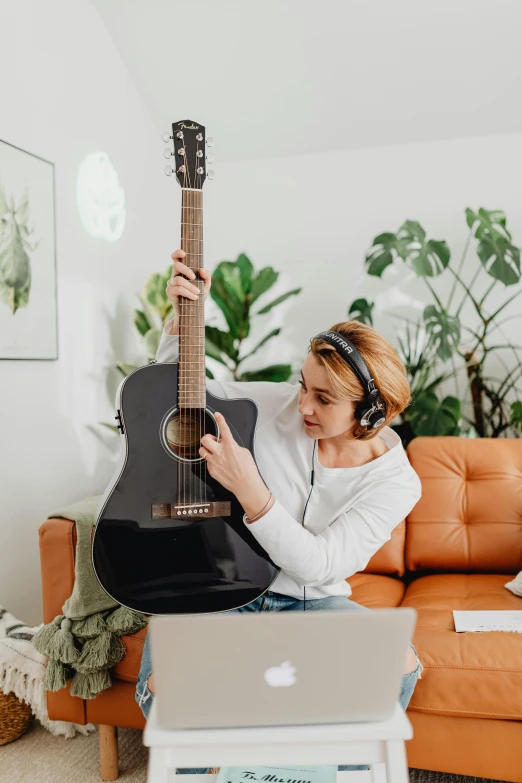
[456, 550]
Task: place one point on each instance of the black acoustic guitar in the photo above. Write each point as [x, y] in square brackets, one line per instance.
[169, 539]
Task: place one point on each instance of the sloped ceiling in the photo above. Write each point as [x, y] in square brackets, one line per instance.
[291, 77]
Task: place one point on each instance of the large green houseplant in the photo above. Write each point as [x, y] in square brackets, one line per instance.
[431, 348]
[236, 287]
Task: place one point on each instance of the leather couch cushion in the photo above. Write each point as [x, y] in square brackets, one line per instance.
[128, 668]
[475, 675]
[469, 517]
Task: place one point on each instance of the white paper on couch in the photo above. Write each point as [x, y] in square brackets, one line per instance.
[490, 620]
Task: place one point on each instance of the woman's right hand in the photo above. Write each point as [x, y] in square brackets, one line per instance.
[179, 284]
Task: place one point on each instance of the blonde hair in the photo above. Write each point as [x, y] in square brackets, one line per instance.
[386, 369]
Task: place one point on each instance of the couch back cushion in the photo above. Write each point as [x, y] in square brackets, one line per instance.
[469, 518]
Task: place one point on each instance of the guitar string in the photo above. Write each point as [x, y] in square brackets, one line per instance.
[190, 307]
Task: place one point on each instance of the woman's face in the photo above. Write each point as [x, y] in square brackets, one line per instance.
[318, 405]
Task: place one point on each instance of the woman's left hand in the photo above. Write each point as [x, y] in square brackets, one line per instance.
[229, 463]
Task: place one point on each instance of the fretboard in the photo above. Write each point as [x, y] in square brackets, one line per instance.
[191, 376]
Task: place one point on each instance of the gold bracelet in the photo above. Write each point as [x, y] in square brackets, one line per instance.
[252, 519]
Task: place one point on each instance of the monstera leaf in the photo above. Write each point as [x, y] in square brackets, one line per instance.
[427, 258]
[385, 249]
[443, 329]
[428, 416]
[499, 257]
[361, 310]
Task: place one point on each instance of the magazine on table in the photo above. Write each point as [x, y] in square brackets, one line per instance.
[319, 774]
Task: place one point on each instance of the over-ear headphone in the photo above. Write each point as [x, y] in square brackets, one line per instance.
[370, 412]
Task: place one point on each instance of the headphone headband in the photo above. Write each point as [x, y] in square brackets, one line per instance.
[371, 412]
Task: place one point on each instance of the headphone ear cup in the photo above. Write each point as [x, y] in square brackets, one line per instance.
[360, 411]
[375, 418]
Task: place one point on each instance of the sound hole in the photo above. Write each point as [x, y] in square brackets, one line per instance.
[185, 428]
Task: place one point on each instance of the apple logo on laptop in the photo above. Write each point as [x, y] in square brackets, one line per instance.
[281, 675]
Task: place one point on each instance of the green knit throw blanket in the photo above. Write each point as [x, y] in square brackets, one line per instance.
[84, 642]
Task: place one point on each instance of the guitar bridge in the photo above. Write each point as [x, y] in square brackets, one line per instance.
[200, 510]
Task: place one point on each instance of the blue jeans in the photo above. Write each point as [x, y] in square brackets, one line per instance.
[275, 602]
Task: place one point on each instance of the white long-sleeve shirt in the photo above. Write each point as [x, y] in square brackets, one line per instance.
[351, 512]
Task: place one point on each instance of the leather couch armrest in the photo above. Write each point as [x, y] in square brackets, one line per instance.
[57, 553]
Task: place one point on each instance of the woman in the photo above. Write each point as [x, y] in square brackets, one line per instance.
[364, 484]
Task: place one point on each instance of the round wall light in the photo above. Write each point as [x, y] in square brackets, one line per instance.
[101, 199]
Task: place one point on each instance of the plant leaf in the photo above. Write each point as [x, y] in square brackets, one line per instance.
[141, 322]
[361, 310]
[516, 415]
[444, 331]
[126, 369]
[218, 343]
[277, 301]
[265, 339]
[381, 254]
[152, 340]
[110, 426]
[428, 416]
[246, 270]
[499, 257]
[427, 259]
[274, 372]
[15, 270]
[227, 293]
[264, 280]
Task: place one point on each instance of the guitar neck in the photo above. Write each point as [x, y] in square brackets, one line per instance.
[191, 374]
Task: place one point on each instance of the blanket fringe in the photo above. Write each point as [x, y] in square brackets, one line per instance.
[102, 652]
[87, 685]
[31, 691]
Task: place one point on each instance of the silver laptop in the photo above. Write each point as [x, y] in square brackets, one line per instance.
[279, 668]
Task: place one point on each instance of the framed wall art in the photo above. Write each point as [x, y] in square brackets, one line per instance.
[28, 290]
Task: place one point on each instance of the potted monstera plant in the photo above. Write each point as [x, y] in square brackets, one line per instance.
[443, 343]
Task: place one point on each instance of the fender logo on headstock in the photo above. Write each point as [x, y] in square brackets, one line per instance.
[188, 127]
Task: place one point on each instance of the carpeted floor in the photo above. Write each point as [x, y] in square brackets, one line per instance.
[38, 757]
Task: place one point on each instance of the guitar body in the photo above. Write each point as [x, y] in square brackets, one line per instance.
[169, 539]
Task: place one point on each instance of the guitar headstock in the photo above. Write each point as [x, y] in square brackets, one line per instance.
[189, 154]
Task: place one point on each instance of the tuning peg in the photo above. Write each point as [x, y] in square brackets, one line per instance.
[169, 171]
[167, 153]
[210, 174]
[166, 137]
[209, 158]
[210, 141]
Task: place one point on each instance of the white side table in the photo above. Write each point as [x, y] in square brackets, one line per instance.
[380, 745]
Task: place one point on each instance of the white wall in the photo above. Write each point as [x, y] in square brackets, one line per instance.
[315, 217]
[66, 94]
[311, 217]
